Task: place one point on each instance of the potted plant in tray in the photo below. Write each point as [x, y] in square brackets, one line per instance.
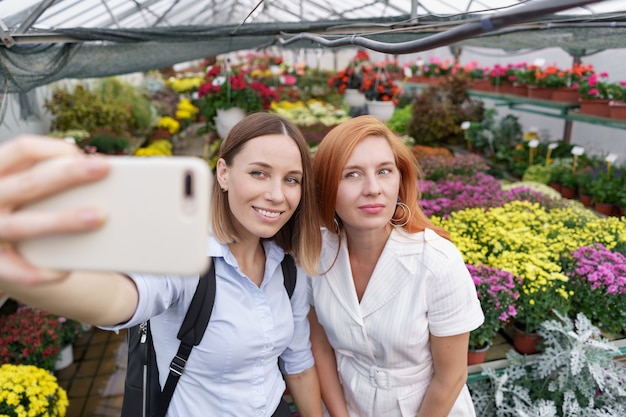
[595, 95]
[604, 192]
[34, 337]
[26, 390]
[584, 179]
[540, 295]
[596, 289]
[498, 294]
[617, 106]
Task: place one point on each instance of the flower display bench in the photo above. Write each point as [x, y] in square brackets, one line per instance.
[568, 111]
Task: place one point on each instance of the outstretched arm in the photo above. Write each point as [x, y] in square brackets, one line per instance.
[326, 366]
[96, 298]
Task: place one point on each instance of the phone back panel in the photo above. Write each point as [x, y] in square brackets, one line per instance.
[157, 220]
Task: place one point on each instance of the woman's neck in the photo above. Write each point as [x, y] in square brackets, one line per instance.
[367, 244]
[250, 257]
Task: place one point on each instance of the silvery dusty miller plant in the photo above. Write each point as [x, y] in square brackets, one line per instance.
[576, 376]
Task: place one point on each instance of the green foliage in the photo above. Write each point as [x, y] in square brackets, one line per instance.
[112, 105]
[314, 85]
[575, 376]
[584, 178]
[439, 112]
[137, 102]
[621, 197]
[401, 117]
[605, 189]
[538, 173]
[107, 142]
[569, 178]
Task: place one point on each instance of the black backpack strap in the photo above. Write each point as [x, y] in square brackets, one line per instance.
[190, 334]
[289, 274]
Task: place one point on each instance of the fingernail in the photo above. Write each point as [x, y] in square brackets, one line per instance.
[95, 165]
[51, 275]
[91, 217]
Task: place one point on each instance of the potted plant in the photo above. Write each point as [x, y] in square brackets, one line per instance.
[380, 94]
[349, 81]
[617, 106]
[497, 292]
[26, 390]
[584, 179]
[221, 93]
[595, 287]
[568, 182]
[34, 337]
[621, 202]
[436, 70]
[540, 295]
[595, 95]
[604, 192]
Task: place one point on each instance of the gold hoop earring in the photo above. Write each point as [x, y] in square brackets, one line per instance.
[407, 213]
[336, 226]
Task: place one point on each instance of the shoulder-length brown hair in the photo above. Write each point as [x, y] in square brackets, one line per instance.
[301, 235]
[333, 153]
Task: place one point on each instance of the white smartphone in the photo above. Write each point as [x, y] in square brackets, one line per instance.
[157, 220]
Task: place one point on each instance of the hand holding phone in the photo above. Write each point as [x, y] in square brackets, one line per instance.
[157, 213]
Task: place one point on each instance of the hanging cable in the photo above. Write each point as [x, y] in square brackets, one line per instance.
[490, 23]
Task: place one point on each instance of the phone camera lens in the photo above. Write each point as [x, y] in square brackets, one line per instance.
[188, 185]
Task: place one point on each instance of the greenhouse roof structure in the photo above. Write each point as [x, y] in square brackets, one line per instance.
[48, 40]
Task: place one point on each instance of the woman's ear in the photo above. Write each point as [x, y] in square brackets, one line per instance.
[221, 174]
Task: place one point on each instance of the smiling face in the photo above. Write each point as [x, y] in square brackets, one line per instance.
[368, 187]
[264, 184]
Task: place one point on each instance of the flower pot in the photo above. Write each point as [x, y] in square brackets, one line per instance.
[556, 186]
[542, 93]
[226, 119]
[617, 109]
[568, 192]
[596, 107]
[66, 357]
[382, 110]
[505, 88]
[353, 97]
[481, 85]
[477, 355]
[524, 342]
[603, 208]
[585, 199]
[566, 94]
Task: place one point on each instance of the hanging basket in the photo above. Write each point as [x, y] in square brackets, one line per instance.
[382, 110]
[353, 97]
[226, 119]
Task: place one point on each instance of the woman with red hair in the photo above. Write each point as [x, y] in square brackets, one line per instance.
[394, 303]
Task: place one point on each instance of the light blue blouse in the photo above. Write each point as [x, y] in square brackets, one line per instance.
[233, 371]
